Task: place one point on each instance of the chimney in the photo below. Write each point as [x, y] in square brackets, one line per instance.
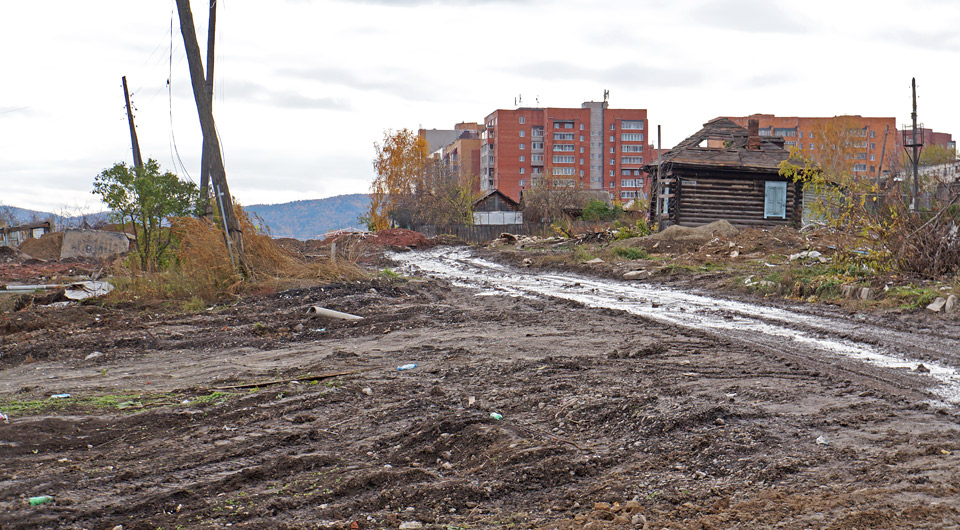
[753, 135]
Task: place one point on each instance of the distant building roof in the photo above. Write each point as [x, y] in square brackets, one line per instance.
[735, 149]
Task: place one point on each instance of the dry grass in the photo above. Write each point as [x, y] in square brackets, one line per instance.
[201, 267]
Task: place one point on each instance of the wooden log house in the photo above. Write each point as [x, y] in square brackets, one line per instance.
[725, 172]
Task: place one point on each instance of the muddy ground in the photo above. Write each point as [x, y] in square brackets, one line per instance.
[254, 415]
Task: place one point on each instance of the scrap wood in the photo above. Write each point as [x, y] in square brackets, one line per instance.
[316, 377]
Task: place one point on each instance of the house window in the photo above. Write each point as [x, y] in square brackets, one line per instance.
[562, 159]
[775, 200]
[563, 148]
[536, 132]
[811, 146]
[611, 161]
[581, 137]
[631, 137]
[521, 180]
[536, 145]
[536, 158]
[581, 161]
[631, 148]
[611, 138]
[581, 172]
[628, 194]
[628, 183]
[581, 128]
[631, 160]
[636, 125]
[613, 126]
[522, 133]
[811, 135]
[611, 174]
[563, 136]
[873, 134]
[873, 158]
[521, 123]
[873, 145]
[522, 170]
[523, 146]
[785, 132]
[859, 167]
[563, 171]
[522, 158]
[626, 172]
[581, 148]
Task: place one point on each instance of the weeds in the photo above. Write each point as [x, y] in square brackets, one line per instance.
[631, 253]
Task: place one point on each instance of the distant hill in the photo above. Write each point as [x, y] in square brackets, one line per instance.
[312, 218]
[23, 216]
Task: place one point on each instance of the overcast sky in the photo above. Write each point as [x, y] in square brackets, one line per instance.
[305, 87]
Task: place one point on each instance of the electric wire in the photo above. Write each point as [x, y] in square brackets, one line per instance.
[173, 139]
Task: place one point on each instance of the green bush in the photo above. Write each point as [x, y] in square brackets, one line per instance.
[631, 253]
[597, 210]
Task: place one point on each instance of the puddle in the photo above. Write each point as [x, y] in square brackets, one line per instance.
[668, 305]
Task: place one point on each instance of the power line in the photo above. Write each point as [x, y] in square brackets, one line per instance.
[173, 138]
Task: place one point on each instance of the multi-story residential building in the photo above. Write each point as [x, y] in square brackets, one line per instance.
[593, 147]
[875, 142]
[930, 137]
[462, 156]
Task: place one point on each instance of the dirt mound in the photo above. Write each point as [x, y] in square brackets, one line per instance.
[700, 234]
[46, 248]
[9, 254]
[401, 237]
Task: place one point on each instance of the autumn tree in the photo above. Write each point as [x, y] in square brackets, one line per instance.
[935, 154]
[552, 198]
[410, 187]
[400, 164]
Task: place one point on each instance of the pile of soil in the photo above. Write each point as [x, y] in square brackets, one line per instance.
[45, 248]
[8, 254]
[401, 238]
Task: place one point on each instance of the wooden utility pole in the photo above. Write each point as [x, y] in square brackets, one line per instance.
[208, 88]
[211, 143]
[137, 159]
[916, 151]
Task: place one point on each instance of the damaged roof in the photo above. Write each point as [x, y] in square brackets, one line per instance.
[734, 150]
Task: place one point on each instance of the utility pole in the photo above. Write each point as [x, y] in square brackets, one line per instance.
[915, 143]
[883, 151]
[137, 159]
[211, 143]
[208, 88]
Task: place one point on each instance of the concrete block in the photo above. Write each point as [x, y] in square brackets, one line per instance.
[951, 304]
[937, 305]
[97, 244]
[635, 275]
[865, 293]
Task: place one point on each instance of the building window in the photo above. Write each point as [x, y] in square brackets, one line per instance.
[523, 146]
[789, 144]
[785, 132]
[628, 183]
[581, 128]
[563, 171]
[811, 146]
[562, 159]
[873, 158]
[626, 172]
[563, 148]
[628, 194]
[613, 126]
[631, 160]
[611, 161]
[811, 135]
[523, 158]
[581, 148]
[775, 199]
[581, 137]
[873, 145]
[859, 167]
[563, 136]
[611, 138]
[581, 161]
[631, 137]
[522, 171]
[636, 125]
[562, 124]
[861, 156]
[521, 180]
[568, 125]
[536, 132]
[522, 133]
[536, 158]
[630, 148]
[611, 174]
[581, 172]
[612, 150]
[536, 145]
[521, 122]
[873, 134]
[765, 131]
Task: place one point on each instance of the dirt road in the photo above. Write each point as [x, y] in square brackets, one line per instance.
[702, 426]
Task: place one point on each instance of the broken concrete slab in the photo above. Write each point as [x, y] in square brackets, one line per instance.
[635, 275]
[865, 293]
[97, 244]
[937, 305]
[951, 304]
[594, 261]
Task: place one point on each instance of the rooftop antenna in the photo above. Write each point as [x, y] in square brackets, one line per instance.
[538, 100]
[521, 100]
[606, 96]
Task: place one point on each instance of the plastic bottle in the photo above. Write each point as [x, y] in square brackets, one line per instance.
[43, 499]
[496, 415]
[409, 366]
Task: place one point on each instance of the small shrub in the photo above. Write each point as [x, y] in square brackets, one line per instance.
[631, 253]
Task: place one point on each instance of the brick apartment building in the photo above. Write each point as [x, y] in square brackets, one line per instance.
[594, 147]
[931, 137]
[870, 156]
